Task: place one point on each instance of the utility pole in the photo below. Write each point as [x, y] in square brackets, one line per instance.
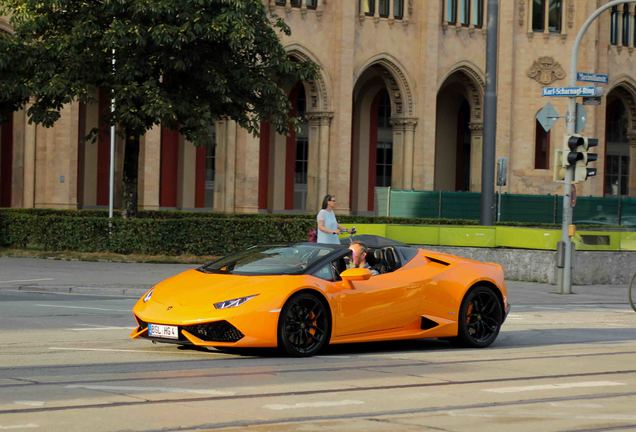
[566, 282]
[490, 118]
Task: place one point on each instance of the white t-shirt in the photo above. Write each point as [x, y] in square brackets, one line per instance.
[331, 223]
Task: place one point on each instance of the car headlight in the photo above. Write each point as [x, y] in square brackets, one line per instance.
[148, 295]
[233, 302]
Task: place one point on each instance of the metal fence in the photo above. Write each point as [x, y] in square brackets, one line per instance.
[612, 210]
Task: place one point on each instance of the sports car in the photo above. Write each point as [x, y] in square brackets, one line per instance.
[301, 297]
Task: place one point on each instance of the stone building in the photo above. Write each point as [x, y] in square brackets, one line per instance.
[398, 102]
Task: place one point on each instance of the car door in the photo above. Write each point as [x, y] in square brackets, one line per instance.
[384, 302]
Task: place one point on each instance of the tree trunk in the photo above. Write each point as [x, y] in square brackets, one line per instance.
[131, 169]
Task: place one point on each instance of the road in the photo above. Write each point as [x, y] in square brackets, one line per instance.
[561, 363]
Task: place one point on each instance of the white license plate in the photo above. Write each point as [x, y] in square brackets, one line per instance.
[163, 331]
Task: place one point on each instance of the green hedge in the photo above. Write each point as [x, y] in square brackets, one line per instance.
[165, 232]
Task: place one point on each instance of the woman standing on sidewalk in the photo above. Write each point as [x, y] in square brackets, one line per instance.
[328, 227]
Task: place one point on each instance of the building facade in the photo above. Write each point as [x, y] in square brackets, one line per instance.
[398, 102]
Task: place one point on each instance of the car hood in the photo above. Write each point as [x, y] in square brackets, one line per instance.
[193, 287]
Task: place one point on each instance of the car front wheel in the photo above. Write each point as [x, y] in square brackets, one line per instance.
[303, 326]
[480, 318]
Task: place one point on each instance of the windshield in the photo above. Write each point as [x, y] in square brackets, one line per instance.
[258, 260]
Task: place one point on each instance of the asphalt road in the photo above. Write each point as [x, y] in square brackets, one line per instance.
[561, 363]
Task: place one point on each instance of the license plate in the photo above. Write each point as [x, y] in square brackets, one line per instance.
[163, 331]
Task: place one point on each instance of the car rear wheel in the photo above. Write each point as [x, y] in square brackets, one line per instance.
[480, 318]
[303, 326]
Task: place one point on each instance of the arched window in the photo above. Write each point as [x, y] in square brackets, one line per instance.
[547, 16]
[626, 24]
[614, 26]
[541, 147]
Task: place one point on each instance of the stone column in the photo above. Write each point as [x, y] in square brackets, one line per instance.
[150, 169]
[225, 166]
[476, 146]
[631, 182]
[403, 151]
[28, 200]
[319, 130]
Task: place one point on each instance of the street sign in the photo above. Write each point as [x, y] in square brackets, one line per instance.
[547, 116]
[579, 124]
[592, 77]
[572, 91]
[502, 169]
[596, 100]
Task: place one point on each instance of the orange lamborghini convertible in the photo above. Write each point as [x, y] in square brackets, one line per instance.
[301, 297]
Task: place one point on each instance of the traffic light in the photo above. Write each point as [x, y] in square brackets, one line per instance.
[581, 170]
[574, 149]
[575, 154]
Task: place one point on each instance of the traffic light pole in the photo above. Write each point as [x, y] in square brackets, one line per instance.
[566, 282]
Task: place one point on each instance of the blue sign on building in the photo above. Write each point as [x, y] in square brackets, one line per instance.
[592, 77]
[586, 91]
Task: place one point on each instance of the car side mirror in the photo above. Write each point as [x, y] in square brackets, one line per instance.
[355, 274]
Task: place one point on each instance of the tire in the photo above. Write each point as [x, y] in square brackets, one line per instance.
[480, 318]
[631, 292]
[304, 325]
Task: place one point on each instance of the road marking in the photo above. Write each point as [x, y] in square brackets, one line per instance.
[151, 389]
[29, 403]
[26, 280]
[23, 426]
[554, 386]
[279, 407]
[101, 328]
[127, 350]
[83, 307]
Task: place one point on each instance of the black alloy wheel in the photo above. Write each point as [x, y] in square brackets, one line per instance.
[304, 325]
[480, 318]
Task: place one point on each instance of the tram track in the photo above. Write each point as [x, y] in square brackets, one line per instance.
[330, 391]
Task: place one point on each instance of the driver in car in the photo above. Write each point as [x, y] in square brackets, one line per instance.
[359, 255]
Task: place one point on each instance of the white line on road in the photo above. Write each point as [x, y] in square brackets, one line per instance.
[22, 426]
[26, 280]
[128, 351]
[152, 389]
[553, 386]
[100, 328]
[83, 307]
[279, 407]
[29, 403]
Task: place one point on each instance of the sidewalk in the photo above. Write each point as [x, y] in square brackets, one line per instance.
[133, 279]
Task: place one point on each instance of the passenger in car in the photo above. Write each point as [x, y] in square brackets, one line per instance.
[359, 252]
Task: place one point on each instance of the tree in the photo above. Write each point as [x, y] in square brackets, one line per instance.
[178, 63]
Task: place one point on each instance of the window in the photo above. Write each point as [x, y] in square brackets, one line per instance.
[302, 152]
[541, 147]
[384, 8]
[626, 27]
[368, 8]
[398, 9]
[309, 4]
[547, 16]
[464, 13]
[210, 169]
[384, 148]
[614, 26]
